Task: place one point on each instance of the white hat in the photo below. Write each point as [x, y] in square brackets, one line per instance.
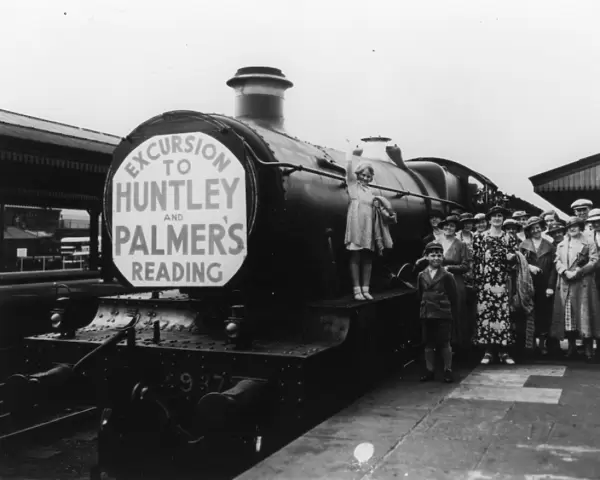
[593, 215]
[582, 202]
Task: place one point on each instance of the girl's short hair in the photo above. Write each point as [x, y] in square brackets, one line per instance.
[362, 166]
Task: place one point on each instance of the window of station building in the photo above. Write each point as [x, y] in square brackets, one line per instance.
[39, 239]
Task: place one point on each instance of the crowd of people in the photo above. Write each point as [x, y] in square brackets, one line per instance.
[522, 284]
[507, 283]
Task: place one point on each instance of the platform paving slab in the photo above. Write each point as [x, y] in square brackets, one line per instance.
[534, 422]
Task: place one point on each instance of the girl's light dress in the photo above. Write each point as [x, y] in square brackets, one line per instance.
[359, 222]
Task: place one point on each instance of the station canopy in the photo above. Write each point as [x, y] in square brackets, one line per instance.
[563, 185]
[50, 164]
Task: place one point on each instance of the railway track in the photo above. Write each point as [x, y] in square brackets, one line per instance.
[40, 423]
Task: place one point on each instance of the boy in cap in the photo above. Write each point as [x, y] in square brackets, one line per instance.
[437, 292]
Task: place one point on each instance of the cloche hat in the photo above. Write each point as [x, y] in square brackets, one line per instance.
[558, 226]
[497, 209]
[467, 217]
[479, 217]
[534, 221]
[575, 221]
[450, 219]
[593, 215]
[509, 222]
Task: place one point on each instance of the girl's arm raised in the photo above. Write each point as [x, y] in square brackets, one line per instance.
[350, 177]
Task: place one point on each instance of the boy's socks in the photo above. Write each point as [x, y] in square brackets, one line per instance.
[430, 359]
[447, 356]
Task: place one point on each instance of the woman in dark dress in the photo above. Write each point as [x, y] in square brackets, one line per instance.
[539, 254]
[457, 261]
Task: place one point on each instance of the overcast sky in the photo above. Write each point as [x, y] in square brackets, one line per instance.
[509, 88]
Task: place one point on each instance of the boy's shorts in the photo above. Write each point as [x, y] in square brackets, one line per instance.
[437, 331]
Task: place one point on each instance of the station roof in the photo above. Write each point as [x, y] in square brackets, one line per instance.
[51, 164]
[563, 185]
[25, 127]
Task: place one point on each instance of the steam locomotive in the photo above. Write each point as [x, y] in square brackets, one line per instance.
[238, 228]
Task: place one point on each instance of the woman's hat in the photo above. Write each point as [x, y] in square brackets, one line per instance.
[436, 213]
[558, 226]
[433, 246]
[467, 217]
[450, 219]
[593, 215]
[497, 209]
[519, 214]
[580, 222]
[509, 222]
[534, 221]
[479, 217]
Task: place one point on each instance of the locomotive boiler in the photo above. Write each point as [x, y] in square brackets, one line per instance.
[239, 227]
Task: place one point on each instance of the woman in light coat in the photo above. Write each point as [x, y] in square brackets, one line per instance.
[576, 311]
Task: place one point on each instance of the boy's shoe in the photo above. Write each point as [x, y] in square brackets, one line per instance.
[448, 377]
[427, 377]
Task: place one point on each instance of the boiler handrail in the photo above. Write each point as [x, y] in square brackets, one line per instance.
[302, 168]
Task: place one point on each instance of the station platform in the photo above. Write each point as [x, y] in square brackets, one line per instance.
[539, 421]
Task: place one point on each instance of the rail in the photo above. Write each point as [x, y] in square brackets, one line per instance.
[14, 437]
[300, 168]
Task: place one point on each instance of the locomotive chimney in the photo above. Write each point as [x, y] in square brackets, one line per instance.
[379, 148]
[259, 95]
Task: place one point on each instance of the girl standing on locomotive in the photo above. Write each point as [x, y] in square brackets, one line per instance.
[361, 225]
[494, 253]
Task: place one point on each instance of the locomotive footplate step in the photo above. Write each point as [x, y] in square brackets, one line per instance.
[529, 422]
[348, 301]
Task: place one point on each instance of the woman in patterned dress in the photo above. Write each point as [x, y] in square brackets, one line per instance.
[457, 260]
[576, 305]
[494, 252]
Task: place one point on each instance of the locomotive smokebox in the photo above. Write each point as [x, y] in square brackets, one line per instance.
[260, 93]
